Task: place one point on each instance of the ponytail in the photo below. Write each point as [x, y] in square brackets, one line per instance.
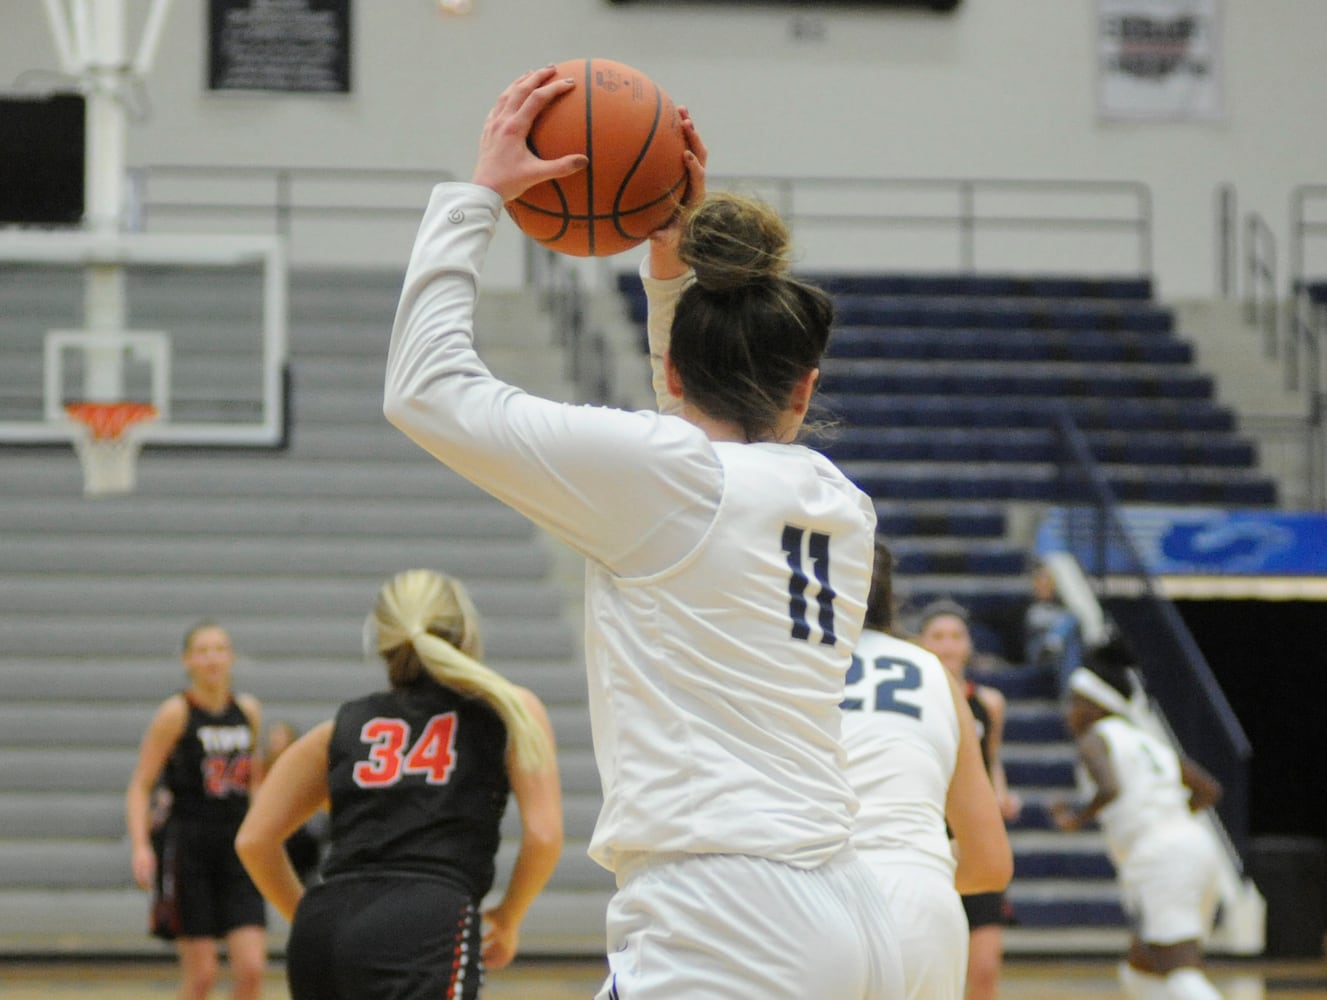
[425, 621]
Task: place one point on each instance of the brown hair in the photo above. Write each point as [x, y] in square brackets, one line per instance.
[195, 628]
[745, 331]
[880, 600]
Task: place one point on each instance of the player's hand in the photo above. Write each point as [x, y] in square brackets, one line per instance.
[1065, 817]
[500, 940]
[664, 262]
[506, 163]
[1011, 806]
[144, 866]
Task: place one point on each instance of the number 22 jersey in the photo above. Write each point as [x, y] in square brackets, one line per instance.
[901, 735]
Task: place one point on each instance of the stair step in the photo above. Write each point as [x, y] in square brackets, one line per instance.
[274, 632]
[114, 922]
[186, 593]
[64, 769]
[257, 556]
[473, 517]
[100, 816]
[148, 679]
[186, 474]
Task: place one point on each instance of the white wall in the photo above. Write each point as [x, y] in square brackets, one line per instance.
[1002, 88]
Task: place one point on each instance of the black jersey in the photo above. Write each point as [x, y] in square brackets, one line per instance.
[418, 783]
[208, 771]
[983, 718]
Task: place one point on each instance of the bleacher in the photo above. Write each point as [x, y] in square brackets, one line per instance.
[943, 392]
[287, 549]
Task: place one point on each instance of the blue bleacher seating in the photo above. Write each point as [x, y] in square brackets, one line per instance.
[938, 393]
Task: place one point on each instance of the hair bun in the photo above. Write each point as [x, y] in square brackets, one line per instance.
[731, 241]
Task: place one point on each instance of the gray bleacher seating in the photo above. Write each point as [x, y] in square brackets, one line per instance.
[287, 549]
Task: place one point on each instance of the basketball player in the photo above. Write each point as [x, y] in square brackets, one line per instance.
[914, 759]
[943, 630]
[727, 569]
[418, 778]
[204, 740]
[1167, 862]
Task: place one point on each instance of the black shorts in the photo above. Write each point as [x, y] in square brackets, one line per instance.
[987, 908]
[385, 937]
[202, 888]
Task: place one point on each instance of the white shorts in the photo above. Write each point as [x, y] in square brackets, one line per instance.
[1169, 884]
[932, 927]
[746, 928]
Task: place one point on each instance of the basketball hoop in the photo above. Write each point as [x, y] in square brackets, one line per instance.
[107, 441]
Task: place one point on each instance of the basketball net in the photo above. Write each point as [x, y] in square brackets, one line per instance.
[107, 441]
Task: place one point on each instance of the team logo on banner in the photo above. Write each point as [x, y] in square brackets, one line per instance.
[1159, 59]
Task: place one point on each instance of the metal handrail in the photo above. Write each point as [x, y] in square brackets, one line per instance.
[1300, 325]
[1226, 239]
[794, 196]
[967, 218]
[1174, 668]
[1302, 228]
[1260, 279]
[283, 203]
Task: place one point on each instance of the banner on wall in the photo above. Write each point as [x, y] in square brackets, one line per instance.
[1159, 60]
[1195, 541]
[291, 46]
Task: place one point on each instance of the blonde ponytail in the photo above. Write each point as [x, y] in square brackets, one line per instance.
[426, 621]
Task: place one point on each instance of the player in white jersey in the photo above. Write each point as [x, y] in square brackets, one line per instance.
[1166, 860]
[727, 569]
[914, 759]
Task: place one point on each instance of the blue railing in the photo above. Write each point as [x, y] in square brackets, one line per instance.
[1174, 669]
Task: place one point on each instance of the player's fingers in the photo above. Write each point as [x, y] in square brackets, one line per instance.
[516, 92]
[537, 97]
[494, 952]
[694, 141]
[565, 166]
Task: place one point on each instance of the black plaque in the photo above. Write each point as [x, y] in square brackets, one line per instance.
[300, 46]
[42, 149]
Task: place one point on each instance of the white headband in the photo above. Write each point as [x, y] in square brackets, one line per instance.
[1084, 682]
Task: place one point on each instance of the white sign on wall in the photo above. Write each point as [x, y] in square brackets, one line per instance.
[1159, 59]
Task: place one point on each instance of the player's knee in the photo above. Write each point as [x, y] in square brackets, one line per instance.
[983, 980]
[200, 979]
[1190, 984]
[247, 981]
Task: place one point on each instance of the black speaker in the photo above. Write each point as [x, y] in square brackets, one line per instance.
[44, 140]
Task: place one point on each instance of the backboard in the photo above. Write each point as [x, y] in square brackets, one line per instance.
[197, 326]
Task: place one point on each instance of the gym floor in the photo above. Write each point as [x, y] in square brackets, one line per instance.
[1024, 979]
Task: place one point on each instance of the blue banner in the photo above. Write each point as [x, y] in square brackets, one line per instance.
[1178, 541]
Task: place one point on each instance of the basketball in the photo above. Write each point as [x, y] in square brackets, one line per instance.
[630, 130]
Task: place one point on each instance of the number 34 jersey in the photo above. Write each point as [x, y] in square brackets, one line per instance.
[418, 784]
[208, 771]
[900, 732]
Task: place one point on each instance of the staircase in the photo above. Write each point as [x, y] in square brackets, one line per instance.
[287, 549]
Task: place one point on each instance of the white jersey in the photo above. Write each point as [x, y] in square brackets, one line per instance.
[901, 735]
[726, 583]
[1152, 794]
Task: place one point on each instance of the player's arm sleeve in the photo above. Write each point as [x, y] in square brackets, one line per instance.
[630, 490]
[661, 295]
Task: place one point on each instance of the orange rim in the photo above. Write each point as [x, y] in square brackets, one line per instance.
[108, 420]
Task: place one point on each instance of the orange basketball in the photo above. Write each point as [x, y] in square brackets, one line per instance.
[630, 130]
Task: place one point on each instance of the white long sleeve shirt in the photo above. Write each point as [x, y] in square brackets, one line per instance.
[725, 583]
